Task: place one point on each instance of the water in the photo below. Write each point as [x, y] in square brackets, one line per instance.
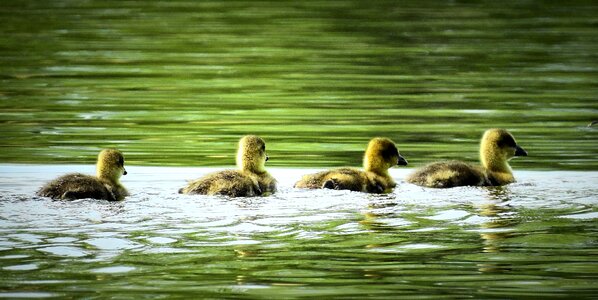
[536, 237]
[178, 82]
[175, 84]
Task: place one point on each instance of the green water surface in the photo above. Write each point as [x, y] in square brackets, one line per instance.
[178, 82]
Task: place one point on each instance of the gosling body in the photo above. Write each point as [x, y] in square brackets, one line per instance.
[497, 147]
[339, 179]
[380, 155]
[232, 183]
[447, 174]
[251, 179]
[105, 185]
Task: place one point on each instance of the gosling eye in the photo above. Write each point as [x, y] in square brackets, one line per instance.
[121, 161]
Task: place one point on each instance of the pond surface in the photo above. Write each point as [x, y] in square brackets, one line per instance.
[178, 82]
[175, 84]
[534, 238]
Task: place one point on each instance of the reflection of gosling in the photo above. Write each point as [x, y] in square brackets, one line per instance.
[380, 155]
[251, 179]
[496, 148]
[105, 185]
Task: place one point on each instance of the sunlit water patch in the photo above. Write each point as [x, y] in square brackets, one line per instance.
[534, 237]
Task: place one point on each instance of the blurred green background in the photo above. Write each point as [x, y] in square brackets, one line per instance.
[178, 82]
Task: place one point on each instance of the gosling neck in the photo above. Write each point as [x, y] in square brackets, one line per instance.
[497, 169]
[253, 169]
[494, 161]
[105, 175]
[376, 167]
[244, 163]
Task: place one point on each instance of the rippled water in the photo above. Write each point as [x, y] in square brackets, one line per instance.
[536, 237]
[178, 82]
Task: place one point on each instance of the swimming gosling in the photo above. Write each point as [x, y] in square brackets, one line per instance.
[105, 185]
[251, 179]
[380, 155]
[497, 147]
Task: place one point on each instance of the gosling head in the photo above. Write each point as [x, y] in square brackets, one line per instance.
[111, 165]
[381, 155]
[251, 155]
[497, 147]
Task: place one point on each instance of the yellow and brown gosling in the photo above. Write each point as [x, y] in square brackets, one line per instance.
[251, 179]
[497, 147]
[105, 185]
[380, 155]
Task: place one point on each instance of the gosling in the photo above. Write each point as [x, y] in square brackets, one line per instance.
[251, 179]
[105, 185]
[380, 155]
[497, 147]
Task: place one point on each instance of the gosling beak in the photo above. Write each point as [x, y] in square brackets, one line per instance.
[267, 158]
[402, 161]
[519, 151]
[124, 172]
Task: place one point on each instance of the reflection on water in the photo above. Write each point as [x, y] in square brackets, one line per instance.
[498, 228]
[178, 82]
[535, 237]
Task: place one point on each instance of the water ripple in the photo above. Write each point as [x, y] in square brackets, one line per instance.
[297, 237]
